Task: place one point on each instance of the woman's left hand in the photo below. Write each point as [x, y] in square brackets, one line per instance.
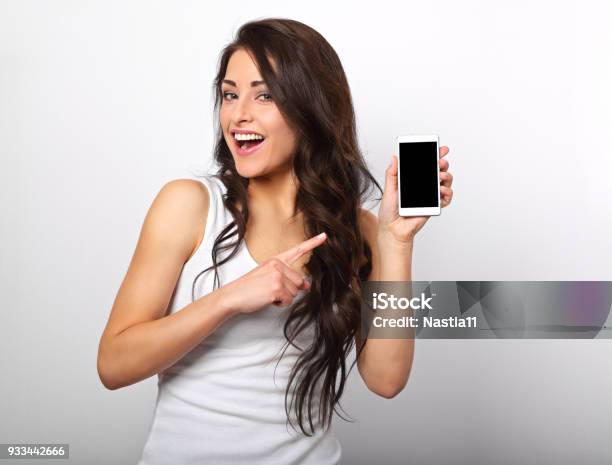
[402, 229]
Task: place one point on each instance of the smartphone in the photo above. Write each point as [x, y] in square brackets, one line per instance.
[418, 179]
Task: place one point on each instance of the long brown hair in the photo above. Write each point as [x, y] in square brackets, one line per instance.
[312, 93]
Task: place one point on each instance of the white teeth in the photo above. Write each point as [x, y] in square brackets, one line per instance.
[247, 136]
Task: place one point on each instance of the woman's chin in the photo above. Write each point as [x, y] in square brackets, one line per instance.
[248, 171]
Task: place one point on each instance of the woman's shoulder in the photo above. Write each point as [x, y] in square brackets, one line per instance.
[182, 206]
[190, 196]
[368, 224]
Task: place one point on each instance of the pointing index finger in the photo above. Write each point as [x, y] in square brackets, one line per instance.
[291, 255]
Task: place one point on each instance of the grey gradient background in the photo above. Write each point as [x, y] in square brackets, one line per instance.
[102, 102]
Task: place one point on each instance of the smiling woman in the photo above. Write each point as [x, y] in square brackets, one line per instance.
[261, 343]
[248, 112]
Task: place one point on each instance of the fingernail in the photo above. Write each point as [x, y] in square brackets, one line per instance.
[321, 235]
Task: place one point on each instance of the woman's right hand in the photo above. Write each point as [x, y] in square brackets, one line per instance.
[272, 282]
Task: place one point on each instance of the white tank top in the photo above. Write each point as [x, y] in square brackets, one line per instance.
[224, 401]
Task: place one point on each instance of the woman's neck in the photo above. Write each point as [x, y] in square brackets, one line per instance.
[273, 196]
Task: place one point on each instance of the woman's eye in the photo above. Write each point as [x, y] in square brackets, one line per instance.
[225, 94]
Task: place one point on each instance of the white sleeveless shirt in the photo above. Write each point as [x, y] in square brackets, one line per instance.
[224, 401]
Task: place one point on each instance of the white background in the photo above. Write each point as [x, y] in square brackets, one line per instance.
[102, 102]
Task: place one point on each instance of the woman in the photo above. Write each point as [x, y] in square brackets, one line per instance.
[262, 342]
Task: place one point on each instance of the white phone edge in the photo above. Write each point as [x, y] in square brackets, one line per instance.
[427, 211]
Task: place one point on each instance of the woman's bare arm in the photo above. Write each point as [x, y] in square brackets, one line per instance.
[139, 341]
[385, 364]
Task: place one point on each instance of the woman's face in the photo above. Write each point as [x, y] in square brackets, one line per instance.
[250, 107]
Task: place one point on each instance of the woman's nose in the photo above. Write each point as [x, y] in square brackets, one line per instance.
[242, 111]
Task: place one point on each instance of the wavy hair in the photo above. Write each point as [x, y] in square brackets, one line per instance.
[312, 93]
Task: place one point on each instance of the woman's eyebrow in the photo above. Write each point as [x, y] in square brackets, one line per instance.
[253, 83]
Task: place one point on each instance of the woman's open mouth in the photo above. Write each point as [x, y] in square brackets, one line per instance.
[249, 146]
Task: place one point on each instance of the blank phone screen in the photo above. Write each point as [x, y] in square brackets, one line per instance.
[419, 174]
